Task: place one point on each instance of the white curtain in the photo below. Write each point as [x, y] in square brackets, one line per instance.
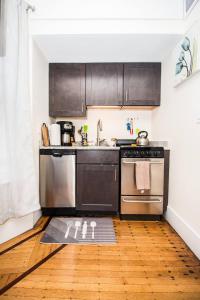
[18, 184]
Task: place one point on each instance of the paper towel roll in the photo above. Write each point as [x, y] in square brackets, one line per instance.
[55, 138]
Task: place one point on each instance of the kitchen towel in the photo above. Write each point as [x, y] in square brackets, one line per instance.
[143, 175]
[55, 136]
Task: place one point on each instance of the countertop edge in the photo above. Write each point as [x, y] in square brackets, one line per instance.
[82, 147]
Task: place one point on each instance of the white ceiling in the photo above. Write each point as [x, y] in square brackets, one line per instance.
[108, 9]
[106, 48]
[106, 30]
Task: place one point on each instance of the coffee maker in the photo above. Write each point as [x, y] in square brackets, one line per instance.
[67, 133]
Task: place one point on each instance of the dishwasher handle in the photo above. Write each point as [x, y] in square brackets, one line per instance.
[57, 154]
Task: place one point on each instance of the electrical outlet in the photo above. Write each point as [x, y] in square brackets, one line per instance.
[198, 120]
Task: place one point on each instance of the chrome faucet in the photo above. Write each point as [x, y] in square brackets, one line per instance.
[99, 128]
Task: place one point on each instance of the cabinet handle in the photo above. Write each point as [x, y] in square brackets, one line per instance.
[151, 162]
[115, 174]
[142, 201]
[126, 96]
[82, 107]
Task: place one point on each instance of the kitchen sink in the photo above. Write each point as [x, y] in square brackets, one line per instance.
[103, 143]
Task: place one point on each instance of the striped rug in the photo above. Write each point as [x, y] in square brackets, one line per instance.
[68, 230]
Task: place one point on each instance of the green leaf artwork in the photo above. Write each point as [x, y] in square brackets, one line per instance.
[187, 55]
[182, 62]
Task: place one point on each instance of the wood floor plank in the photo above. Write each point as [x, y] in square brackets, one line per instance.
[148, 262]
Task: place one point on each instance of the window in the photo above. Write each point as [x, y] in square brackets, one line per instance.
[2, 28]
[189, 4]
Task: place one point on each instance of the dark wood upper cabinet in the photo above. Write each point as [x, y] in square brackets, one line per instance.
[67, 90]
[73, 86]
[142, 84]
[104, 84]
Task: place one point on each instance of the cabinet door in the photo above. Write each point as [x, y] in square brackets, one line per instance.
[142, 83]
[67, 90]
[109, 157]
[104, 84]
[97, 187]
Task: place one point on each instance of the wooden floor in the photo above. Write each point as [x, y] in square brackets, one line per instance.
[149, 261]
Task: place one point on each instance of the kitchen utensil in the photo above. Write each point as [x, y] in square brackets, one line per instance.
[84, 230]
[84, 140]
[85, 128]
[45, 135]
[131, 131]
[137, 130]
[69, 225]
[142, 139]
[77, 225]
[128, 125]
[93, 224]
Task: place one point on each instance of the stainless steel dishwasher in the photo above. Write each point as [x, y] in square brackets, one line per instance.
[57, 178]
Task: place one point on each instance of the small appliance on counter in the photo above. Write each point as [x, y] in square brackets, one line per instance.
[67, 133]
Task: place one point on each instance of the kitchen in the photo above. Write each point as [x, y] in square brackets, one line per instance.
[89, 68]
[97, 162]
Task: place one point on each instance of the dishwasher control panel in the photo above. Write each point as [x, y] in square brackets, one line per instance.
[57, 151]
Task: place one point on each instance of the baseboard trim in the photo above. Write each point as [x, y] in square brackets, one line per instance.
[15, 227]
[186, 232]
[36, 216]
[26, 239]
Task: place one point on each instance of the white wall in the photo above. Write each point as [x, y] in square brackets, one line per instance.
[40, 97]
[178, 121]
[114, 122]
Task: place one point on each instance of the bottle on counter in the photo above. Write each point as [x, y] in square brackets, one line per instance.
[45, 135]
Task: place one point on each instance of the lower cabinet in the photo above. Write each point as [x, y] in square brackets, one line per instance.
[97, 187]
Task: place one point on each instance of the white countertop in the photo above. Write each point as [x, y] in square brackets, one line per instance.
[79, 147]
[82, 147]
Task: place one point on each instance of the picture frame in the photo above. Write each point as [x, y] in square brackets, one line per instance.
[188, 6]
[187, 55]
